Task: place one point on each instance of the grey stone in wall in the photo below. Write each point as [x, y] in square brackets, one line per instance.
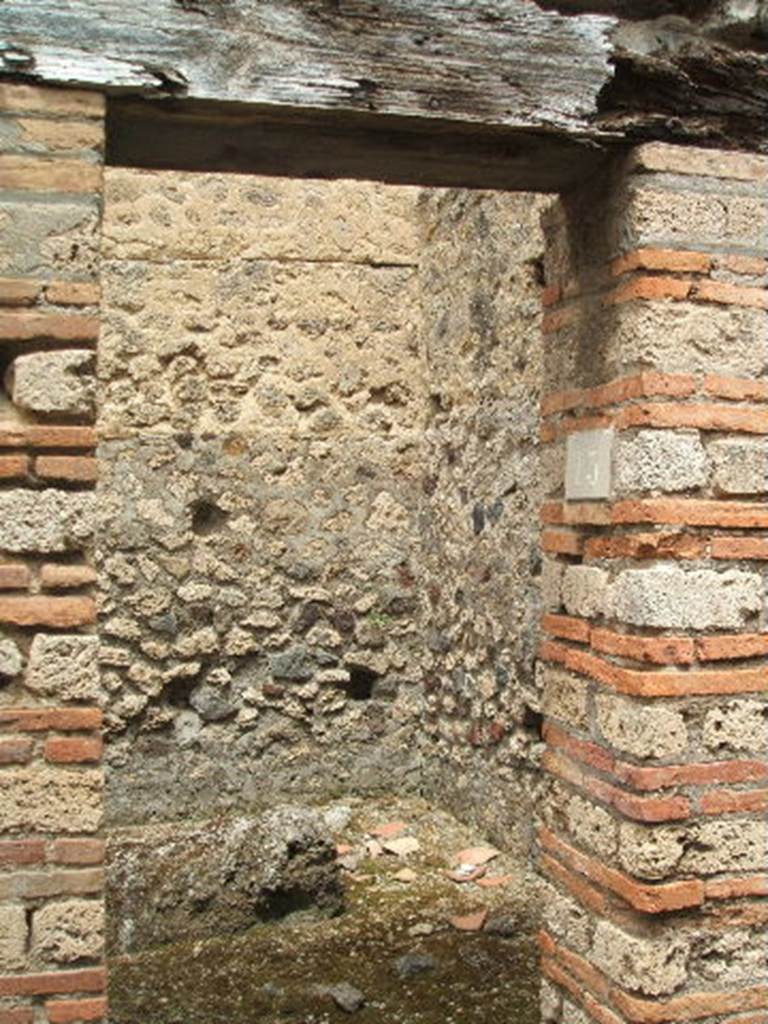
[668, 597]
[660, 460]
[11, 658]
[64, 667]
[654, 967]
[49, 520]
[740, 467]
[585, 590]
[61, 382]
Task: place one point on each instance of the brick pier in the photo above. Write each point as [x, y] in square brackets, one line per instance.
[653, 663]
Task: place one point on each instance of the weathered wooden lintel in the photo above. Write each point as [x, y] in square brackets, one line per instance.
[504, 93]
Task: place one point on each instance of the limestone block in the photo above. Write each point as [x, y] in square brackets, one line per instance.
[585, 589]
[592, 826]
[13, 938]
[652, 851]
[551, 1003]
[668, 597]
[660, 460]
[673, 219]
[653, 967]
[551, 583]
[727, 846]
[69, 931]
[165, 216]
[650, 731]
[685, 337]
[59, 239]
[566, 920]
[573, 1014]
[11, 658]
[740, 467]
[563, 695]
[64, 666]
[731, 958]
[48, 520]
[44, 799]
[736, 726]
[61, 382]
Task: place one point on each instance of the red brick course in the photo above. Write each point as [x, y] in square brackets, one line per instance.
[77, 851]
[23, 325]
[13, 436]
[59, 612]
[65, 750]
[68, 1011]
[92, 979]
[44, 719]
[16, 750]
[72, 468]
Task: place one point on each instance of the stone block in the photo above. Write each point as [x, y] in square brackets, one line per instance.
[731, 958]
[740, 467]
[69, 931]
[652, 852]
[592, 826]
[714, 218]
[13, 938]
[669, 597]
[46, 521]
[641, 730]
[739, 725]
[167, 216]
[585, 590]
[11, 658]
[61, 236]
[686, 337]
[655, 967]
[563, 695]
[566, 919]
[64, 667]
[551, 1003]
[60, 382]
[726, 846]
[660, 460]
[551, 583]
[43, 799]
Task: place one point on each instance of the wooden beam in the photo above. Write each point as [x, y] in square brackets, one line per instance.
[505, 63]
[182, 135]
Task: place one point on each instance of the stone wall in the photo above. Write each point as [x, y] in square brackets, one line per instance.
[654, 668]
[315, 542]
[262, 405]
[284, 370]
[51, 850]
[481, 309]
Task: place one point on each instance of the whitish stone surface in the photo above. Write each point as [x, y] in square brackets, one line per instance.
[654, 967]
[69, 931]
[738, 725]
[669, 597]
[54, 382]
[65, 667]
[641, 730]
[11, 659]
[48, 520]
[660, 460]
[585, 590]
[740, 467]
[13, 938]
[51, 800]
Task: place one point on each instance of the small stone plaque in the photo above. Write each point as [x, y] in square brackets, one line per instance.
[588, 465]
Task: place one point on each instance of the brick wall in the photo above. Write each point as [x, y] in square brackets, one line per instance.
[51, 906]
[653, 665]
